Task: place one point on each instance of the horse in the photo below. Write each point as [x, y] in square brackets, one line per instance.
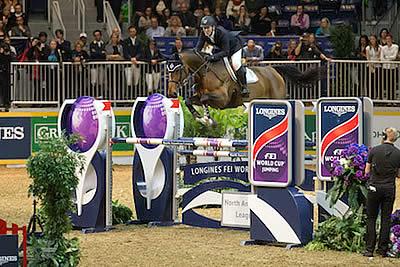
[214, 86]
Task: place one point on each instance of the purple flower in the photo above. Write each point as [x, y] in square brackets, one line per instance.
[358, 160]
[359, 173]
[338, 170]
[346, 182]
[362, 166]
[396, 230]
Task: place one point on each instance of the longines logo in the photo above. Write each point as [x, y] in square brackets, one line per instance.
[339, 110]
[12, 133]
[270, 112]
[7, 259]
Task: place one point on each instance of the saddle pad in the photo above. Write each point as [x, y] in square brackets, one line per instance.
[251, 77]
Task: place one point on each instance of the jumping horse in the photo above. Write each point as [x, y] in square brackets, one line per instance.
[215, 87]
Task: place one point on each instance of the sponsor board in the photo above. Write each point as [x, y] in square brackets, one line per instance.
[9, 250]
[235, 209]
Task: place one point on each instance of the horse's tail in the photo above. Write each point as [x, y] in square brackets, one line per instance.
[310, 76]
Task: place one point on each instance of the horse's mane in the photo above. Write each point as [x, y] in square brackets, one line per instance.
[193, 61]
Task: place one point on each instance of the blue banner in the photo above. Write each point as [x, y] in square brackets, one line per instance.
[9, 250]
[15, 138]
[165, 44]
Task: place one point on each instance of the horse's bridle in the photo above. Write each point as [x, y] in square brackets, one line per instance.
[181, 83]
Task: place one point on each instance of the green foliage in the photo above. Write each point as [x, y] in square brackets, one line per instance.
[343, 234]
[229, 121]
[343, 40]
[54, 179]
[121, 213]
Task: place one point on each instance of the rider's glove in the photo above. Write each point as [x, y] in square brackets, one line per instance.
[210, 58]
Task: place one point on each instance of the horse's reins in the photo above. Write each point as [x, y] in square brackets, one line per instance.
[190, 76]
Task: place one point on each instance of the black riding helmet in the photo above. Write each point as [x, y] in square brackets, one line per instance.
[207, 21]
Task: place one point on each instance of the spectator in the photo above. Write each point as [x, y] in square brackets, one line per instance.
[20, 30]
[13, 51]
[152, 56]
[63, 46]
[254, 6]
[10, 4]
[114, 48]
[261, 23]
[274, 31]
[53, 54]
[116, 32]
[145, 21]
[155, 30]
[83, 39]
[276, 52]
[207, 11]
[79, 54]
[43, 41]
[132, 49]
[253, 52]
[324, 28]
[99, 6]
[242, 22]
[305, 50]
[177, 48]
[313, 41]
[6, 17]
[389, 53]
[18, 13]
[176, 5]
[233, 5]
[97, 47]
[2, 29]
[222, 20]
[159, 7]
[35, 52]
[362, 47]
[292, 49]
[373, 54]
[197, 6]
[300, 22]
[175, 27]
[5, 59]
[166, 16]
[188, 20]
[382, 36]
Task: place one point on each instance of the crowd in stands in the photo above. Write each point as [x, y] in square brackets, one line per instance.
[180, 18]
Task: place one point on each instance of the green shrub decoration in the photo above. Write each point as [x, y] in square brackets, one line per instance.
[343, 40]
[121, 213]
[54, 179]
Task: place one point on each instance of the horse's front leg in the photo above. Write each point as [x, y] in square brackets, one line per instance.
[189, 103]
[207, 119]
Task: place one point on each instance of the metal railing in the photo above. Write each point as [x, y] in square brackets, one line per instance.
[121, 81]
[109, 19]
[52, 83]
[376, 79]
[81, 15]
[56, 20]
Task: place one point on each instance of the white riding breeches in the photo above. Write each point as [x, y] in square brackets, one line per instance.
[237, 60]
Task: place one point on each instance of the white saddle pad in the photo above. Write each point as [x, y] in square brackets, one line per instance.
[250, 75]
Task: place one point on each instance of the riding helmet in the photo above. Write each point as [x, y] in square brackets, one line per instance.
[207, 21]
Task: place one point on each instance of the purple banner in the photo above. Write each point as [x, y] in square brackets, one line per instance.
[271, 163]
[335, 148]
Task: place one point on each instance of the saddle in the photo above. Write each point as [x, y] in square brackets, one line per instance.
[250, 75]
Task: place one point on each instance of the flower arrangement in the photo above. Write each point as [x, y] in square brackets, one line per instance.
[349, 176]
[395, 236]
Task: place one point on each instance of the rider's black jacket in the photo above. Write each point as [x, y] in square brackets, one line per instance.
[226, 42]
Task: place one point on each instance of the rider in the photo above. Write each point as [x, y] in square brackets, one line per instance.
[229, 44]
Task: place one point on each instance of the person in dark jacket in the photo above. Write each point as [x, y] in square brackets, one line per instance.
[132, 49]
[383, 164]
[63, 46]
[152, 56]
[97, 47]
[5, 60]
[229, 45]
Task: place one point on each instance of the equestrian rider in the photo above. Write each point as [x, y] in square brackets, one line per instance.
[229, 44]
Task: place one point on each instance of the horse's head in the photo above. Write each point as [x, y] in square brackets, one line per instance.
[177, 74]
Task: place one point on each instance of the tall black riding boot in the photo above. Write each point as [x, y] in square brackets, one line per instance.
[243, 81]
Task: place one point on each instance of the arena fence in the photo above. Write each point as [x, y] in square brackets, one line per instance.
[37, 83]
